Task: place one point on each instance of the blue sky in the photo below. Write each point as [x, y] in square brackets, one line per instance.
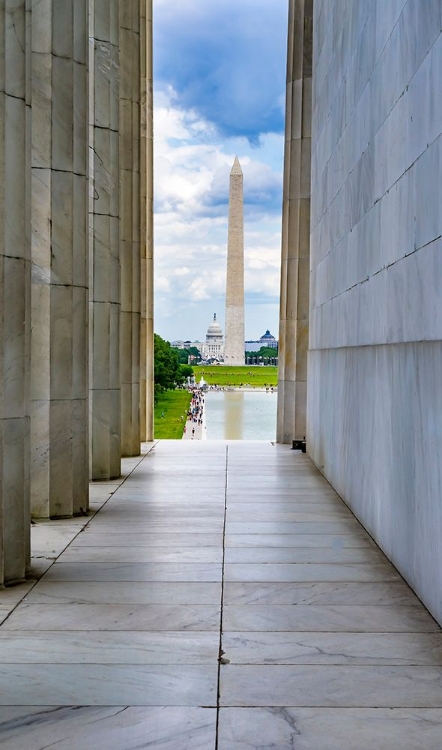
[219, 83]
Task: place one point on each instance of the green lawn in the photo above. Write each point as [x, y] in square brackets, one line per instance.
[171, 404]
[224, 375]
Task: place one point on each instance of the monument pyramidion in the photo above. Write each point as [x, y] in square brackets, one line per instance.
[234, 336]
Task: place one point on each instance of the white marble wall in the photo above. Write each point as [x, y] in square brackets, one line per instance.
[59, 375]
[14, 294]
[104, 311]
[146, 223]
[130, 259]
[295, 255]
[375, 387]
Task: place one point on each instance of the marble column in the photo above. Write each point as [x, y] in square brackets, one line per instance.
[146, 226]
[104, 234]
[130, 260]
[14, 294]
[295, 261]
[59, 378]
[234, 349]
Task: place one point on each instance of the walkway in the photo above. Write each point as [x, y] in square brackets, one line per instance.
[208, 548]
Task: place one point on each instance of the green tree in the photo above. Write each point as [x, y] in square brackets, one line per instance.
[167, 369]
[183, 354]
[268, 351]
[186, 371]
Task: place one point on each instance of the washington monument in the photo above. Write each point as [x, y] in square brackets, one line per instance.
[234, 346]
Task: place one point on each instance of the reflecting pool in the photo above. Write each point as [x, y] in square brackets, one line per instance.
[241, 415]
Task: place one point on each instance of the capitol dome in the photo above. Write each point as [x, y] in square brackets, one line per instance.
[214, 331]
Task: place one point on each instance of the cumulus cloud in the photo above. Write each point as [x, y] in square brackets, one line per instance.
[225, 60]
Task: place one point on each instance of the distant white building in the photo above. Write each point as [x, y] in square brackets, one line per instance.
[267, 339]
[213, 348]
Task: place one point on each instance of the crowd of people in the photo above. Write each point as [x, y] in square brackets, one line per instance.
[195, 412]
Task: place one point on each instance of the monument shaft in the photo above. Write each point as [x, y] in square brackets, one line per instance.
[234, 337]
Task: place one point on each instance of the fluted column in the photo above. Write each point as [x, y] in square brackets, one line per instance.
[59, 380]
[130, 226]
[105, 421]
[146, 226]
[295, 261]
[14, 294]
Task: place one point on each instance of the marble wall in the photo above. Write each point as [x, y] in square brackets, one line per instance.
[374, 422]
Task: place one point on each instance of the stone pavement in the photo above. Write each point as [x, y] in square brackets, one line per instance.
[222, 598]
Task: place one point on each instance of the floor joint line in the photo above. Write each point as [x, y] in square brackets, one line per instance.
[220, 652]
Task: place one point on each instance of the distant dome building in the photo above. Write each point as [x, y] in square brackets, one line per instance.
[268, 340]
[214, 346]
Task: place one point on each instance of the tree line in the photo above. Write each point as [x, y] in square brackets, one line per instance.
[169, 372]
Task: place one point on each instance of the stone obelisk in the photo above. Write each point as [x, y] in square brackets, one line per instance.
[234, 337]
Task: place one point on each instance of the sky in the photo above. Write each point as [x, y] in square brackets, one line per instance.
[219, 91]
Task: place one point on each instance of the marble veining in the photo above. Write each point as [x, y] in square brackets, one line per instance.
[113, 617]
[288, 728]
[327, 686]
[114, 728]
[108, 685]
[365, 619]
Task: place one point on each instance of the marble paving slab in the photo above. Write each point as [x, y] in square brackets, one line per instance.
[49, 541]
[159, 527]
[123, 539]
[334, 505]
[134, 572]
[10, 596]
[308, 498]
[324, 593]
[4, 612]
[328, 686]
[113, 617]
[287, 728]
[107, 728]
[333, 648]
[109, 647]
[143, 554]
[157, 516]
[39, 566]
[107, 685]
[309, 572]
[278, 527]
[123, 592]
[276, 516]
[326, 541]
[369, 619]
[300, 555]
[156, 504]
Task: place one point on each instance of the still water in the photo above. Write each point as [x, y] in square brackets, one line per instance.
[240, 415]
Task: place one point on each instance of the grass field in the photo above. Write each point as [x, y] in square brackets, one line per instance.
[252, 375]
[172, 404]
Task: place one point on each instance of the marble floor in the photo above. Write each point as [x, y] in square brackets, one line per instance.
[220, 597]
